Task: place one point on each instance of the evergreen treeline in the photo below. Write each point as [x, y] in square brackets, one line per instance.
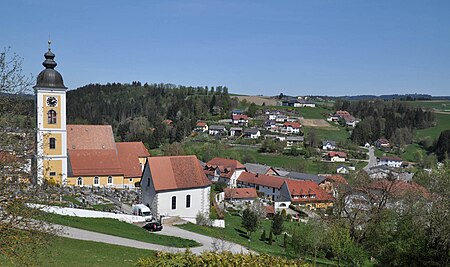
[392, 119]
[140, 112]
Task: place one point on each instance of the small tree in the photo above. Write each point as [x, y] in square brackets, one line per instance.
[250, 221]
[285, 242]
[270, 238]
[277, 224]
[263, 235]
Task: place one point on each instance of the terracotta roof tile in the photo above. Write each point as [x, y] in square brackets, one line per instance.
[239, 193]
[90, 137]
[261, 179]
[305, 188]
[399, 187]
[240, 117]
[177, 172]
[129, 154]
[292, 124]
[336, 178]
[227, 163]
[94, 162]
[339, 154]
[201, 124]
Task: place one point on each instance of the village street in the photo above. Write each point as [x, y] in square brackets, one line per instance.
[372, 159]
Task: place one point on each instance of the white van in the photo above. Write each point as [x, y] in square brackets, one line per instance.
[142, 210]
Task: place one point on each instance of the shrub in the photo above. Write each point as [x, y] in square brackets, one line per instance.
[203, 219]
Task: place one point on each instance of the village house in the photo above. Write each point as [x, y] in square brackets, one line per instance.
[269, 185]
[393, 162]
[175, 186]
[217, 130]
[201, 127]
[290, 128]
[342, 169]
[298, 103]
[384, 172]
[336, 156]
[239, 196]
[281, 118]
[239, 119]
[331, 183]
[252, 133]
[235, 131]
[236, 112]
[306, 194]
[328, 145]
[305, 177]
[224, 170]
[382, 143]
[271, 125]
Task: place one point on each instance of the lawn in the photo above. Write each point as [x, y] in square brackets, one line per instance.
[337, 134]
[121, 229]
[438, 105]
[71, 252]
[233, 232]
[443, 123]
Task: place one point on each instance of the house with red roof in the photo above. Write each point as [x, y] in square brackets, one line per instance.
[269, 185]
[239, 119]
[291, 127]
[224, 170]
[175, 186]
[335, 156]
[201, 127]
[240, 195]
[307, 193]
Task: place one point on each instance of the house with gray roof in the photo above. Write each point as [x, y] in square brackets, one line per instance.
[328, 145]
[306, 177]
[260, 169]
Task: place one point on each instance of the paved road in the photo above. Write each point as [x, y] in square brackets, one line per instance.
[372, 159]
[206, 241]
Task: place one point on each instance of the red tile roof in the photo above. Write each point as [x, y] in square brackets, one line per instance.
[399, 187]
[129, 154]
[269, 210]
[177, 172]
[93, 162]
[261, 179]
[227, 163]
[240, 117]
[338, 154]
[240, 193]
[292, 124]
[90, 137]
[337, 178]
[201, 124]
[307, 188]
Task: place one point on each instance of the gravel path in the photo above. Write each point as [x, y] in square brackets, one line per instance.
[372, 159]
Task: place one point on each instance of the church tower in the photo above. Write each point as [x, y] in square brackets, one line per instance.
[51, 139]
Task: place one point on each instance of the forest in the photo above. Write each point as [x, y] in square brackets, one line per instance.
[151, 113]
[394, 120]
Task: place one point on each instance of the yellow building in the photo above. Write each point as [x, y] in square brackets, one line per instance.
[79, 155]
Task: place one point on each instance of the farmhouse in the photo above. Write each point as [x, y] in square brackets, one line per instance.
[260, 169]
[175, 186]
[293, 141]
[382, 143]
[235, 131]
[269, 185]
[307, 193]
[393, 162]
[239, 119]
[240, 195]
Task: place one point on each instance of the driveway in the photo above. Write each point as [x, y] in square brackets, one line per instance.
[206, 241]
[372, 159]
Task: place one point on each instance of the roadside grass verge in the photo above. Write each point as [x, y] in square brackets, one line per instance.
[120, 229]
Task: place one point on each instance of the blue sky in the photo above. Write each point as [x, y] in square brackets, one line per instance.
[334, 47]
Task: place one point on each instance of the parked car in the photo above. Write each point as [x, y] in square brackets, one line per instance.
[153, 226]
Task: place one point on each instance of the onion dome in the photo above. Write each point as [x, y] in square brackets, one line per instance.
[50, 78]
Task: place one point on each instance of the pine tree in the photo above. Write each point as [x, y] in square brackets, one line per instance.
[263, 235]
[270, 238]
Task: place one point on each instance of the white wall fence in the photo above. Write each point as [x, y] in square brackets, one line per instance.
[88, 213]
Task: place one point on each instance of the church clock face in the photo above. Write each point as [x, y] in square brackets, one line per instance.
[52, 101]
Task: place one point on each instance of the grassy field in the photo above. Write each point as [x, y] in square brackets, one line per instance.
[71, 252]
[437, 105]
[443, 123]
[337, 134]
[235, 233]
[121, 229]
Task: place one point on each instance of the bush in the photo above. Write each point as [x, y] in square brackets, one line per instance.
[203, 219]
[217, 259]
[263, 236]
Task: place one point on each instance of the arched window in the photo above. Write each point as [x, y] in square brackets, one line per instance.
[52, 143]
[96, 180]
[110, 180]
[188, 201]
[174, 202]
[51, 116]
[80, 181]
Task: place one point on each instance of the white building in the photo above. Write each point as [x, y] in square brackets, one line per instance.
[391, 162]
[216, 130]
[175, 186]
[328, 145]
[224, 170]
[235, 131]
[291, 128]
[252, 133]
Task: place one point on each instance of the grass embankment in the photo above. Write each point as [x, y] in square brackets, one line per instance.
[121, 229]
[71, 252]
[442, 123]
[234, 232]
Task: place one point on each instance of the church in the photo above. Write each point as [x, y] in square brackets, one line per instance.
[78, 155]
